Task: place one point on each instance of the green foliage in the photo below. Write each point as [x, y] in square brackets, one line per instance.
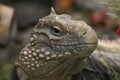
[5, 70]
[114, 7]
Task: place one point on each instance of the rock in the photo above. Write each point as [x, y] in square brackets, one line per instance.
[6, 18]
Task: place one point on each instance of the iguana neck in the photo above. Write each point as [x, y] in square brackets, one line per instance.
[109, 46]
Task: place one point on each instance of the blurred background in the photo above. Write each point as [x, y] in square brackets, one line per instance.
[18, 17]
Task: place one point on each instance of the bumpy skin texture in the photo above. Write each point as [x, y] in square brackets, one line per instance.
[57, 49]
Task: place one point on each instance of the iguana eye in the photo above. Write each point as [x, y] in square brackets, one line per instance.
[57, 31]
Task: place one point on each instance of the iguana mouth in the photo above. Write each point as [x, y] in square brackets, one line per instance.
[73, 44]
[71, 47]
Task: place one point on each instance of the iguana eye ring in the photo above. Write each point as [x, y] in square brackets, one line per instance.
[57, 31]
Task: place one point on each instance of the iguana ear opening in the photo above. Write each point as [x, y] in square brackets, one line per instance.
[53, 11]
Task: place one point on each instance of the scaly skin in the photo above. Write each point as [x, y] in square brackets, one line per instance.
[111, 46]
[57, 49]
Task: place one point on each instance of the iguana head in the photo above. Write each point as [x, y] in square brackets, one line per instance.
[54, 40]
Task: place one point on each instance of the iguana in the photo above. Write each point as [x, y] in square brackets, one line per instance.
[60, 48]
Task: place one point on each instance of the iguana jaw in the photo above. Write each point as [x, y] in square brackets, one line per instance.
[64, 66]
[42, 60]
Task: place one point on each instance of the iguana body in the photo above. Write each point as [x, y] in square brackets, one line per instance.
[57, 49]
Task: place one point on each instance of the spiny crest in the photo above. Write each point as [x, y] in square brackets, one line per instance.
[53, 11]
[48, 18]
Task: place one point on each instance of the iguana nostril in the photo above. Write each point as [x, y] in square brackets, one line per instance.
[84, 32]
